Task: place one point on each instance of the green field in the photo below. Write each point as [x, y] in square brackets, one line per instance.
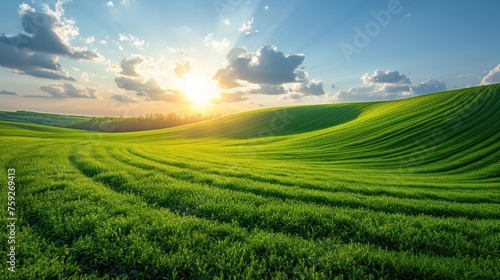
[406, 189]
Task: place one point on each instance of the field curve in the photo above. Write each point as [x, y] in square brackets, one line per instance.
[407, 189]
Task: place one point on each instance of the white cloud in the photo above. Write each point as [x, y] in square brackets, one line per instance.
[129, 65]
[125, 3]
[67, 90]
[226, 21]
[176, 51]
[269, 90]
[267, 71]
[103, 42]
[36, 51]
[248, 29]
[123, 98]
[386, 85]
[429, 86]
[90, 40]
[294, 96]
[84, 77]
[123, 37]
[218, 45]
[246, 26]
[266, 8]
[53, 37]
[265, 66]
[25, 9]
[492, 77]
[379, 76]
[145, 82]
[110, 4]
[132, 41]
[466, 75]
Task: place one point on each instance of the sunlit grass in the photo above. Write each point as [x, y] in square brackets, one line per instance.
[396, 190]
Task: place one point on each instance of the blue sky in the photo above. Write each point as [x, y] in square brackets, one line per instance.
[134, 57]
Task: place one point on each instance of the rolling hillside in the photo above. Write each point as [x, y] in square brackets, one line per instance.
[406, 189]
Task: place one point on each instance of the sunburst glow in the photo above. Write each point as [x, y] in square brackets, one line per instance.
[199, 89]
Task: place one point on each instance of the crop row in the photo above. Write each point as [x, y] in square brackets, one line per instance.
[73, 226]
[194, 195]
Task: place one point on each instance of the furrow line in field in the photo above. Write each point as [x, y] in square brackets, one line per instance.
[380, 203]
[301, 220]
[320, 187]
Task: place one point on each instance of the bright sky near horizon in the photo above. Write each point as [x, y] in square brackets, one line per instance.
[132, 57]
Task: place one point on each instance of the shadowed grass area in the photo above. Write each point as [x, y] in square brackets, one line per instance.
[406, 189]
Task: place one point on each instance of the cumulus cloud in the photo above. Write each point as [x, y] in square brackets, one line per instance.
[48, 32]
[298, 91]
[248, 29]
[294, 91]
[312, 87]
[385, 77]
[84, 77]
[132, 84]
[177, 51]
[26, 62]
[386, 82]
[128, 65]
[269, 90]
[266, 66]
[218, 45]
[358, 94]
[267, 71]
[145, 86]
[492, 77]
[68, 90]
[429, 86]
[110, 4]
[246, 26]
[132, 41]
[123, 98]
[386, 85]
[6, 92]
[90, 40]
[294, 96]
[46, 37]
[182, 69]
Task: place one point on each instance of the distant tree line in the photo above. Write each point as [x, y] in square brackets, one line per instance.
[41, 118]
[147, 122]
[106, 124]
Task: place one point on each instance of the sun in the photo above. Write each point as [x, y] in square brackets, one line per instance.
[199, 89]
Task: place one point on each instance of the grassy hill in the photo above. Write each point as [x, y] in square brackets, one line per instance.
[406, 189]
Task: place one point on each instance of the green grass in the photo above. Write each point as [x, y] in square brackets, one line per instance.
[406, 189]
